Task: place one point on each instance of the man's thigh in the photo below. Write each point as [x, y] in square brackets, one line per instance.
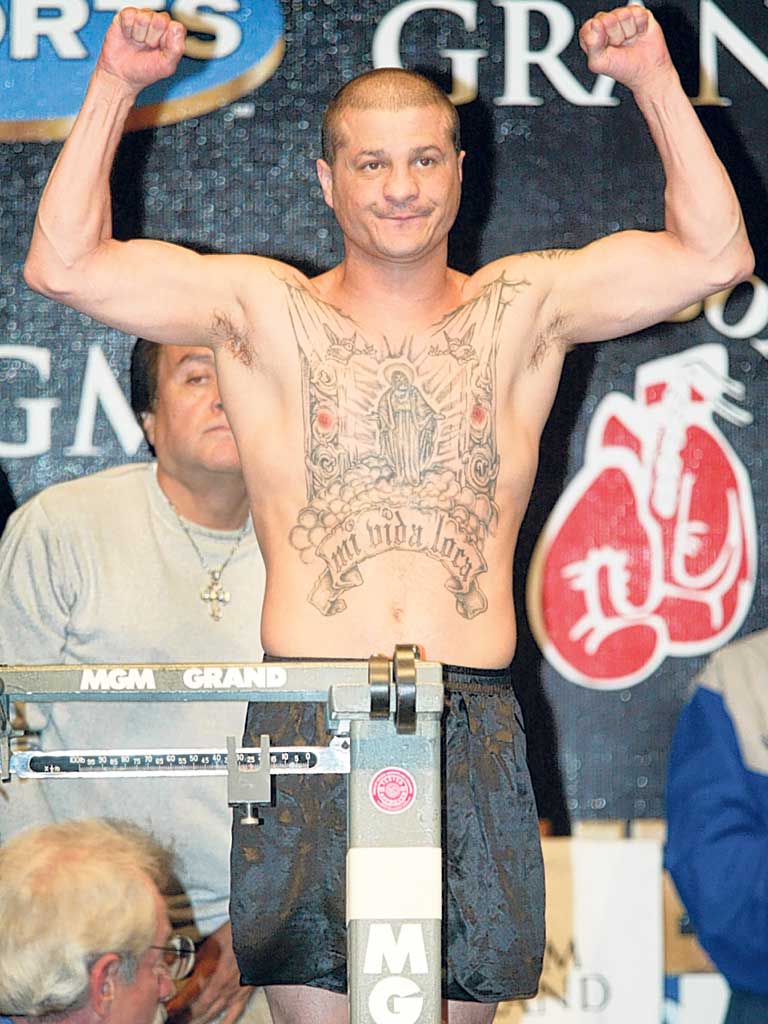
[301, 1004]
[468, 1013]
[304, 1004]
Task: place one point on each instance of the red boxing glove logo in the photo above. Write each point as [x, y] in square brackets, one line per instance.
[650, 551]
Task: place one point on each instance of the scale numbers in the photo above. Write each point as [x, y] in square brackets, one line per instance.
[177, 762]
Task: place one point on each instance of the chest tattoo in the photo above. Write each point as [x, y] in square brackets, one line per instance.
[400, 443]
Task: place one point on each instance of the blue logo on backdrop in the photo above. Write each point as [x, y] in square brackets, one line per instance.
[48, 49]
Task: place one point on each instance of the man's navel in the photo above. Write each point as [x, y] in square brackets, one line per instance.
[398, 614]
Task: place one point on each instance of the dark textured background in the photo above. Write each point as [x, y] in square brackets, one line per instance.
[242, 179]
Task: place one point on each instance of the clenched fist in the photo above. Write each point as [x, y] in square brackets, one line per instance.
[142, 47]
[627, 44]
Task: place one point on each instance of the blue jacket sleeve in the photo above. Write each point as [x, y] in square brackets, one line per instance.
[717, 844]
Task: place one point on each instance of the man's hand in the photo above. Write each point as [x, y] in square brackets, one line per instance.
[141, 47]
[627, 44]
[214, 986]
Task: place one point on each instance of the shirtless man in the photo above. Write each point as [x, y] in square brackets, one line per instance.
[360, 557]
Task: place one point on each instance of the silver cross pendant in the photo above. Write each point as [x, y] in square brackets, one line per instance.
[215, 595]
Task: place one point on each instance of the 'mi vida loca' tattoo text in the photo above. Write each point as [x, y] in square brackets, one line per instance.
[400, 443]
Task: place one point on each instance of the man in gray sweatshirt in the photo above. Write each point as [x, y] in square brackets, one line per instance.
[146, 562]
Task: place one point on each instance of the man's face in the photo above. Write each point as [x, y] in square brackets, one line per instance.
[137, 1001]
[188, 428]
[395, 184]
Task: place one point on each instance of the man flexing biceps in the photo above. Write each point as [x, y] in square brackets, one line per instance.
[396, 406]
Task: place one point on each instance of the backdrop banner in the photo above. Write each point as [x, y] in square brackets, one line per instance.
[603, 958]
[642, 544]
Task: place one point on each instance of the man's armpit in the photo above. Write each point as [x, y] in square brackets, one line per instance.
[554, 332]
[235, 340]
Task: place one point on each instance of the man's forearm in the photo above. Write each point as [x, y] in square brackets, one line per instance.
[74, 216]
[701, 207]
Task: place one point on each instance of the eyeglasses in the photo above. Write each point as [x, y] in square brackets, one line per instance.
[178, 957]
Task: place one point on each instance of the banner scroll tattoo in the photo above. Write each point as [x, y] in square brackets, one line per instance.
[651, 549]
[400, 443]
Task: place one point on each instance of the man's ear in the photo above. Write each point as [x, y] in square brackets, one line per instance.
[148, 426]
[101, 984]
[325, 174]
[462, 154]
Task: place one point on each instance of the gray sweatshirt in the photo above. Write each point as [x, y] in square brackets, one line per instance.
[100, 570]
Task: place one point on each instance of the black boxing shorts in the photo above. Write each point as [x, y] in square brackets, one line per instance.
[288, 875]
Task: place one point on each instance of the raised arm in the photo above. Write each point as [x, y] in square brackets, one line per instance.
[632, 279]
[161, 291]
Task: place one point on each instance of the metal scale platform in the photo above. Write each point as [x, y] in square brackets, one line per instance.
[383, 718]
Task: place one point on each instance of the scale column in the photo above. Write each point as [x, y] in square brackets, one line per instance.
[394, 862]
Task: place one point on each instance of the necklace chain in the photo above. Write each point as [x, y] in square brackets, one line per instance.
[214, 594]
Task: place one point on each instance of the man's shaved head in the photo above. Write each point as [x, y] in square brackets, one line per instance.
[385, 89]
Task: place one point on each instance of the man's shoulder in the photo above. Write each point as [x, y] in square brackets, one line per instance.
[526, 273]
[78, 496]
[738, 675]
[742, 663]
[270, 275]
